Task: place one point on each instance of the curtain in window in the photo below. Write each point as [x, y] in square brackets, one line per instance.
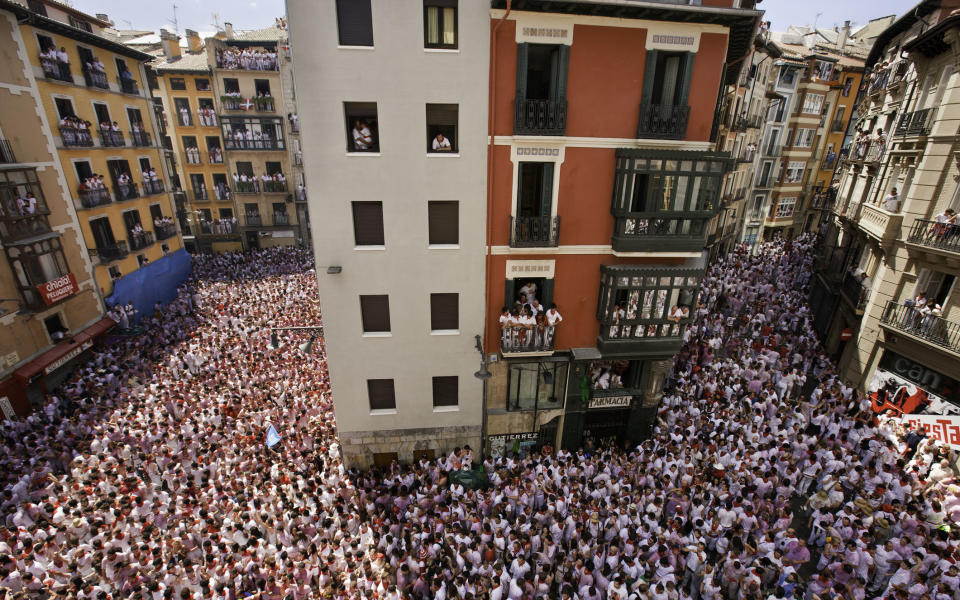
[449, 35]
[433, 25]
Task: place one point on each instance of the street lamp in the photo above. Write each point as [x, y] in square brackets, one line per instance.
[483, 375]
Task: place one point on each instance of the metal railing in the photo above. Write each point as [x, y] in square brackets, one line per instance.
[109, 137]
[267, 144]
[95, 78]
[855, 291]
[253, 220]
[838, 126]
[274, 187]
[109, 252]
[263, 104]
[206, 120]
[125, 191]
[184, 119]
[538, 338]
[200, 195]
[71, 136]
[94, 198]
[232, 103]
[215, 159]
[879, 80]
[540, 117]
[247, 187]
[660, 226]
[929, 327]
[663, 121]
[165, 231]
[915, 123]
[941, 236]
[139, 241]
[56, 69]
[129, 86]
[772, 150]
[281, 218]
[534, 232]
[140, 138]
[154, 186]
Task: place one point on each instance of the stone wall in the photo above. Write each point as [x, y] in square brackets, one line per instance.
[359, 447]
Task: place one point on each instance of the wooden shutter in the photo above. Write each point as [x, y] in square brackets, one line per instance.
[375, 313]
[546, 292]
[444, 222]
[523, 54]
[510, 293]
[368, 223]
[355, 22]
[381, 393]
[687, 74]
[563, 63]
[649, 77]
[546, 187]
[445, 391]
[444, 311]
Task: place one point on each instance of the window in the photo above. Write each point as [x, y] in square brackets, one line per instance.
[64, 107]
[231, 85]
[440, 24]
[37, 6]
[368, 223]
[645, 185]
[794, 172]
[35, 264]
[536, 385]
[55, 327]
[443, 222]
[442, 128]
[542, 71]
[445, 391]
[785, 207]
[80, 24]
[355, 22]
[846, 86]
[182, 108]
[178, 83]
[787, 76]
[804, 138]
[102, 233]
[635, 302]
[252, 133]
[203, 84]
[375, 313]
[362, 126]
[667, 82]
[812, 104]
[534, 190]
[381, 393]
[444, 312]
[262, 87]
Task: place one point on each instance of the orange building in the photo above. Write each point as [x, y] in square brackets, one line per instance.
[602, 181]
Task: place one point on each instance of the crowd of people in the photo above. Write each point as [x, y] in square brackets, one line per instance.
[767, 477]
[250, 59]
[75, 131]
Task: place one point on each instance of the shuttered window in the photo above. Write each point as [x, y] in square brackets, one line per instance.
[375, 313]
[355, 22]
[368, 223]
[444, 312]
[444, 222]
[440, 23]
[381, 394]
[445, 391]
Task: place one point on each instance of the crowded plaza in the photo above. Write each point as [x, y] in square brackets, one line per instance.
[766, 477]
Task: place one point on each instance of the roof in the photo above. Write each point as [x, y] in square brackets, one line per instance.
[268, 34]
[932, 42]
[26, 16]
[71, 10]
[899, 26]
[186, 63]
[874, 28]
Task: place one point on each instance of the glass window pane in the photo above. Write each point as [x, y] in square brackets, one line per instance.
[523, 387]
[433, 25]
[449, 35]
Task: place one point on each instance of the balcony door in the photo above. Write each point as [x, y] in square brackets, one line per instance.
[542, 71]
[667, 78]
[535, 189]
[102, 232]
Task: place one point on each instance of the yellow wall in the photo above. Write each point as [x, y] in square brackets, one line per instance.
[823, 177]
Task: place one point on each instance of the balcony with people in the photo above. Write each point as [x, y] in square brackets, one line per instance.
[139, 238]
[941, 235]
[111, 136]
[855, 289]
[124, 188]
[924, 321]
[252, 133]
[248, 59]
[529, 322]
[662, 202]
[128, 85]
[93, 192]
[94, 74]
[280, 218]
[139, 136]
[252, 218]
[164, 228]
[152, 184]
[110, 252]
[75, 132]
[23, 210]
[56, 64]
[275, 183]
[917, 122]
[207, 116]
[246, 184]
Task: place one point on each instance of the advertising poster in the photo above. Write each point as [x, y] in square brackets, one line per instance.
[903, 386]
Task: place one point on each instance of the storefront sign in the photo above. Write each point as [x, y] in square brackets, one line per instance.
[512, 442]
[610, 402]
[58, 289]
[901, 384]
[7, 408]
[530, 268]
[943, 428]
[674, 36]
[68, 357]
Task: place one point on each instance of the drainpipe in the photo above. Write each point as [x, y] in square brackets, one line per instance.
[491, 121]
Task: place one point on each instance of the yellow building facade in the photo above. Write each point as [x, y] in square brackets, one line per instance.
[94, 95]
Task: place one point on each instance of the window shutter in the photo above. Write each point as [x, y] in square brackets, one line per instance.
[563, 63]
[445, 391]
[546, 292]
[368, 223]
[687, 75]
[375, 313]
[444, 312]
[444, 222]
[649, 77]
[510, 293]
[522, 61]
[355, 22]
[546, 201]
[381, 393]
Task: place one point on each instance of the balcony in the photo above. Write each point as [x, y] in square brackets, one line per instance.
[129, 86]
[915, 123]
[216, 158]
[281, 218]
[935, 330]
[539, 339]
[747, 155]
[838, 126]
[165, 231]
[880, 224]
[56, 69]
[95, 78]
[140, 240]
[140, 138]
[878, 82]
[94, 198]
[855, 292]
[111, 252]
[772, 150]
[253, 220]
[274, 187]
[265, 144]
[936, 236]
[207, 118]
[661, 232]
[125, 191]
[110, 138]
[18, 224]
[232, 102]
[200, 196]
[263, 104]
[247, 187]
[73, 137]
[663, 121]
[540, 117]
[6, 153]
[534, 232]
[184, 119]
[154, 186]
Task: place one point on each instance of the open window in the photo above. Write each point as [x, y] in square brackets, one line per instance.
[442, 128]
[541, 101]
[363, 132]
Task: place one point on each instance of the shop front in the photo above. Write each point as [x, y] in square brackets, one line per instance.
[605, 422]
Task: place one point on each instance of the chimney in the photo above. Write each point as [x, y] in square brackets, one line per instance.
[228, 27]
[194, 43]
[104, 17]
[844, 35]
[171, 44]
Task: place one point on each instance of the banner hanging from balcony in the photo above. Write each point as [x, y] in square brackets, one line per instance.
[902, 386]
[943, 428]
[58, 289]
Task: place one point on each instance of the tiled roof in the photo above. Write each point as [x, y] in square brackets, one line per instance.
[187, 62]
[268, 34]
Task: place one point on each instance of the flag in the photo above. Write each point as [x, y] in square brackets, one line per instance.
[273, 438]
[246, 105]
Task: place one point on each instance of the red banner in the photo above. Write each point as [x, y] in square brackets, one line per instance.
[58, 289]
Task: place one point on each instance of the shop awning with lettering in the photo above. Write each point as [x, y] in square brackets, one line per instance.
[65, 351]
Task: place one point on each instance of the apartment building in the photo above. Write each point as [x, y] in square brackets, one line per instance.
[94, 97]
[51, 310]
[395, 131]
[603, 181]
[885, 292]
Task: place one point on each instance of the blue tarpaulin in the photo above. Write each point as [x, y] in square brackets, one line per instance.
[152, 283]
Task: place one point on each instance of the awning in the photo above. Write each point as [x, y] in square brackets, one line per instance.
[64, 352]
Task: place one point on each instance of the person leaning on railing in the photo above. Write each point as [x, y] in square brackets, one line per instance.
[945, 227]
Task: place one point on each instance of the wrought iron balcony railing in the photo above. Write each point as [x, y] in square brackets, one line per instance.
[540, 117]
[140, 138]
[129, 86]
[915, 123]
[95, 78]
[94, 198]
[108, 137]
[663, 121]
[154, 186]
[165, 231]
[109, 252]
[940, 236]
[660, 232]
[125, 191]
[924, 325]
[71, 136]
[534, 232]
[140, 240]
[56, 69]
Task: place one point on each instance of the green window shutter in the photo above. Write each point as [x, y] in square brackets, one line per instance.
[522, 60]
[546, 202]
[510, 293]
[546, 292]
[563, 63]
[649, 76]
[687, 78]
